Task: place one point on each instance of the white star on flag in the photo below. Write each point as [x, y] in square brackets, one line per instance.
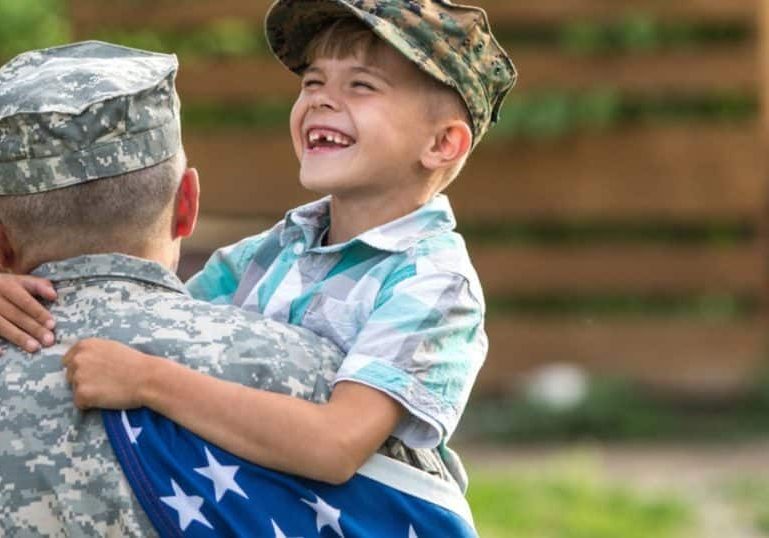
[412, 532]
[188, 507]
[131, 432]
[223, 476]
[278, 533]
[326, 515]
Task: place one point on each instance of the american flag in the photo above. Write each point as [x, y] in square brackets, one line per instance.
[189, 487]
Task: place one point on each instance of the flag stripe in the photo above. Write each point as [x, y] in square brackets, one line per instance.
[419, 484]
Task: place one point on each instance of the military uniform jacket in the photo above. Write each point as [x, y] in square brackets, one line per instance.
[58, 473]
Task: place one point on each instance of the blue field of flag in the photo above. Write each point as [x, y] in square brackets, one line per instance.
[189, 487]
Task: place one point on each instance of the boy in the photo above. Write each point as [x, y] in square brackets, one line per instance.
[394, 96]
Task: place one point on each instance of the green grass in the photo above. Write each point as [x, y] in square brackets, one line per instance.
[750, 495]
[572, 502]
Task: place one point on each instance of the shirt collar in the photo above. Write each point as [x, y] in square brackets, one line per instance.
[113, 267]
[311, 221]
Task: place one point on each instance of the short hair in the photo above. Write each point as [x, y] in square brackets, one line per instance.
[348, 36]
[104, 215]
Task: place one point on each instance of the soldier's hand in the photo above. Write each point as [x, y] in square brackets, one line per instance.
[23, 320]
[105, 374]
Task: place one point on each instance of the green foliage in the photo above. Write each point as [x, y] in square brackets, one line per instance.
[222, 38]
[702, 306]
[616, 409]
[640, 33]
[31, 24]
[552, 114]
[570, 503]
[607, 232]
[265, 115]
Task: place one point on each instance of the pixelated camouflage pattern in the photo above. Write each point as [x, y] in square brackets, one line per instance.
[82, 112]
[58, 474]
[452, 43]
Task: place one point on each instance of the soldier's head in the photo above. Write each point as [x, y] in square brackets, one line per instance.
[91, 159]
[394, 87]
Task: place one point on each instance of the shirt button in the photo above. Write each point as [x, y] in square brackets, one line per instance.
[298, 248]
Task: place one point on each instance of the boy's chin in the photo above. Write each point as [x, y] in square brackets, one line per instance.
[319, 183]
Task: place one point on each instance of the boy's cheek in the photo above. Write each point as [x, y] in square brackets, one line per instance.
[295, 126]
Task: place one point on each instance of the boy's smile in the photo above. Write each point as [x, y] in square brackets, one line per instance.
[358, 128]
[320, 139]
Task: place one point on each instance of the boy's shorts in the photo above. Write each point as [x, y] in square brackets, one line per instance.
[426, 460]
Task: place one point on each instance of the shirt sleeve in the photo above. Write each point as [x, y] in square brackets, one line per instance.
[220, 276]
[423, 345]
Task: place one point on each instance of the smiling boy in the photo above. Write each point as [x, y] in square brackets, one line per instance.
[394, 96]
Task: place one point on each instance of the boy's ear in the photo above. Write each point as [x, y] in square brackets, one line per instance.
[449, 145]
[186, 210]
[7, 252]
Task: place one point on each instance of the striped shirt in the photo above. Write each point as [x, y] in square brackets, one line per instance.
[401, 300]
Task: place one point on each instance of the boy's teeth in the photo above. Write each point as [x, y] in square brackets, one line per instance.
[332, 138]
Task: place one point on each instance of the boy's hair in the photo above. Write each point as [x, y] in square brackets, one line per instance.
[120, 212]
[348, 36]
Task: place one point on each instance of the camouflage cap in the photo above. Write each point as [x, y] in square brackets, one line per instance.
[452, 43]
[84, 111]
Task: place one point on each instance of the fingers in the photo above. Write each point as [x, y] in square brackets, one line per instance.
[39, 287]
[80, 395]
[19, 328]
[23, 299]
[23, 320]
[17, 337]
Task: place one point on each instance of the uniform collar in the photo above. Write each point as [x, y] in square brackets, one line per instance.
[311, 221]
[111, 267]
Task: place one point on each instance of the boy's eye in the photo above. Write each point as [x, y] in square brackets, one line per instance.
[310, 82]
[363, 85]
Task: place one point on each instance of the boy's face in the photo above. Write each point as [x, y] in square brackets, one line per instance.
[359, 127]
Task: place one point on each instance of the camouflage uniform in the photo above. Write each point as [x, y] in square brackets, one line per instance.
[58, 473]
[451, 43]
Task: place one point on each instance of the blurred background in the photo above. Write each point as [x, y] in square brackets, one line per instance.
[617, 218]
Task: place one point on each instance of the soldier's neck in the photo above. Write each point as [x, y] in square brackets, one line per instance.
[166, 254]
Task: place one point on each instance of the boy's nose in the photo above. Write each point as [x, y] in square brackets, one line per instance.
[322, 99]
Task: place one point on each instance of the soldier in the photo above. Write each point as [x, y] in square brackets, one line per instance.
[95, 195]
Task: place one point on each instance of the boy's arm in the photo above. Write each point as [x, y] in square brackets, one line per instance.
[327, 442]
[419, 352]
[23, 320]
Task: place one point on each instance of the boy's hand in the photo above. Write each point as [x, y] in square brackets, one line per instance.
[105, 374]
[23, 320]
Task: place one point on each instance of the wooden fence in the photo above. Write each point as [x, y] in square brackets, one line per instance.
[647, 174]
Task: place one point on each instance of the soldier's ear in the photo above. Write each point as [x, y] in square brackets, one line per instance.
[186, 210]
[7, 253]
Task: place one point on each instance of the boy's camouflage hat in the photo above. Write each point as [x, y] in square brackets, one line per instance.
[84, 111]
[452, 43]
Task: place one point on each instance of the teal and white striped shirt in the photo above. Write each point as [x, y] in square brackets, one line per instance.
[402, 301]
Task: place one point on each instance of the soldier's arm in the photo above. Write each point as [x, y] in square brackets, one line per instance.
[23, 320]
[327, 442]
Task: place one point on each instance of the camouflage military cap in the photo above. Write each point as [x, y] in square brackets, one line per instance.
[84, 111]
[452, 43]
